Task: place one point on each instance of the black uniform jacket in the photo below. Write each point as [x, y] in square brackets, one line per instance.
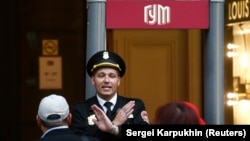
[82, 113]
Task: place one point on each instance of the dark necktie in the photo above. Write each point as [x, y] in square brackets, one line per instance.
[108, 112]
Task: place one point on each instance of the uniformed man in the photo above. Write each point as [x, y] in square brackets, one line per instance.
[106, 69]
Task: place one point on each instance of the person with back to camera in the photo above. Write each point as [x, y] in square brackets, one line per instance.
[182, 112]
[53, 118]
[106, 68]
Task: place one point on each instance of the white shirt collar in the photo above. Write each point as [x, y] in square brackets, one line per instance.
[102, 101]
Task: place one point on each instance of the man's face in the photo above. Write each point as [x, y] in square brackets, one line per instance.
[106, 82]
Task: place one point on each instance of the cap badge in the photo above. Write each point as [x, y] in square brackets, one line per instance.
[105, 55]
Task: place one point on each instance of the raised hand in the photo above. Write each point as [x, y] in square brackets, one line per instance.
[124, 113]
[103, 122]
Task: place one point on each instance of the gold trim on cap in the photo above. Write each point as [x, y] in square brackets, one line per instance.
[106, 64]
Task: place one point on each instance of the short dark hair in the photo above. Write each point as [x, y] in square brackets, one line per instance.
[53, 124]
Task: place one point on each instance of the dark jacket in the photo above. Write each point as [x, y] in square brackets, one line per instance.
[64, 134]
[82, 110]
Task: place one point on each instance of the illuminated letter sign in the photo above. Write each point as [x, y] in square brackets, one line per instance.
[237, 11]
[161, 14]
[156, 14]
